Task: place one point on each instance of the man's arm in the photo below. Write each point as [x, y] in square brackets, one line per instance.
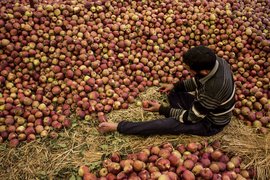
[187, 85]
[193, 115]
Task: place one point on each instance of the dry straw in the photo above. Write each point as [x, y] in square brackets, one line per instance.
[83, 145]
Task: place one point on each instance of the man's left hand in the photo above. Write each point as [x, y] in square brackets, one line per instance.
[153, 106]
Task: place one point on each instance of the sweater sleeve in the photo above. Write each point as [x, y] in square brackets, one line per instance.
[193, 115]
[177, 113]
[187, 85]
[163, 110]
[179, 86]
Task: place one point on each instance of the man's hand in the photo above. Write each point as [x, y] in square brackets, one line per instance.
[166, 88]
[106, 127]
[153, 106]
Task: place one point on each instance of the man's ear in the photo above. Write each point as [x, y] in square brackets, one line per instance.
[204, 72]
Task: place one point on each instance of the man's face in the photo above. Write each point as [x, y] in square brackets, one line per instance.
[192, 72]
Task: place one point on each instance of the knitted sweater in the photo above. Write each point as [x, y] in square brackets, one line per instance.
[214, 97]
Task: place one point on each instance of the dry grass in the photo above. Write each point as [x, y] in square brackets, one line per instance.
[82, 144]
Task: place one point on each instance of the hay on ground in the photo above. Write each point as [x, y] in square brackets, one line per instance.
[83, 145]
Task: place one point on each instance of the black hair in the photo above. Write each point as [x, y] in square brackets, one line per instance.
[200, 58]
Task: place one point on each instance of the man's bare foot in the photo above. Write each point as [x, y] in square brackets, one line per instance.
[106, 127]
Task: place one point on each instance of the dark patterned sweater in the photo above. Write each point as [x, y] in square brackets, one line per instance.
[214, 97]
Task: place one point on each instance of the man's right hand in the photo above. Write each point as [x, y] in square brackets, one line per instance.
[153, 106]
[166, 88]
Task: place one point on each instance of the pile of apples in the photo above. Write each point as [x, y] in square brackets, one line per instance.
[167, 162]
[91, 57]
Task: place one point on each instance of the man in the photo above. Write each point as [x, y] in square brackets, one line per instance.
[201, 105]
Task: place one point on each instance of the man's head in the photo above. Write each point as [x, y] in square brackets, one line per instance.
[200, 58]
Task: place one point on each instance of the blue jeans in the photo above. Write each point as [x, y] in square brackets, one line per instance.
[171, 125]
